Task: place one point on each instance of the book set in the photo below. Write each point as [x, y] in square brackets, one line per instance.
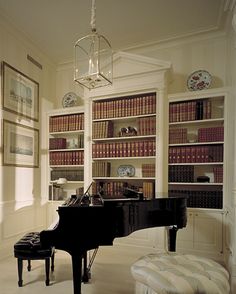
[125, 106]
[66, 158]
[190, 110]
[116, 189]
[66, 143]
[62, 123]
[124, 149]
[196, 154]
[69, 174]
[207, 134]
[201, 199]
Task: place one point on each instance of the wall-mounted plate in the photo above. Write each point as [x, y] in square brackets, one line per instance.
[69, 100]
[199, 80]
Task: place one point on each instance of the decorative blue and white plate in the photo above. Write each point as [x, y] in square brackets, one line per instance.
[69, 100]
[126, 171]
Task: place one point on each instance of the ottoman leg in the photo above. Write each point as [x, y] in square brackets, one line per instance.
[20, 267]
[29, 265]
[47, 267]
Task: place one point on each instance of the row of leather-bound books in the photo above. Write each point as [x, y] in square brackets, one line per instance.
[101, 169]
[190, 110]
[125, 106]
[196, 154]
[181, 173]
[200, 199]
[105, 129]
[116, 189]
[69, 122]
[69, 174]
[66, 143]
[66, 158]
[208, 134]
[148, 170]
[218, 174]
[124, 149]
[185, 173]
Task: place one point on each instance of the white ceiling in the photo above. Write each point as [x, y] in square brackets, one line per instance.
[55, 25]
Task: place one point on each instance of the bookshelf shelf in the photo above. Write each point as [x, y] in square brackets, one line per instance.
[195, 184]
[197, 143]
[124, 138]
[75, 182]
[124, 158]
[65, 151]
[66, 165]
[67, 133]
[124, 178]
[198, 122]
[196, 163]
[131, 117]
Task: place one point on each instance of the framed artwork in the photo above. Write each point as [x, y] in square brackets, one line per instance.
[20, 93]
[20, 145]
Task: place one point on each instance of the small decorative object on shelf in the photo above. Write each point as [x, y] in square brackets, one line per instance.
[203, 179]
[126, 171]
[199, 80]
[70, 99]
[129, 131]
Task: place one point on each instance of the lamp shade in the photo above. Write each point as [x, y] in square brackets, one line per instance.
[61, 181]
[93, 61]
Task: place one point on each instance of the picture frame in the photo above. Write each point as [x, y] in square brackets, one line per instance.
[20, 145]
[20, 93]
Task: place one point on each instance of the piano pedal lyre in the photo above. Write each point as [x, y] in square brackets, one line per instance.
[86, 276]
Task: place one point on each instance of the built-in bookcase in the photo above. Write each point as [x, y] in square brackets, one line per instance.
[66, 152]
[196, 148]
[124, 144]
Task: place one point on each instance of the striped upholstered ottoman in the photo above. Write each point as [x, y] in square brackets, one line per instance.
[172, 273]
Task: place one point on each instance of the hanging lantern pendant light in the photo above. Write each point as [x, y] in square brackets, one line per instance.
[93, 58]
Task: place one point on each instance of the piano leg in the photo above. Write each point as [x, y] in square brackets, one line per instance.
[77, 272]
[172, 232]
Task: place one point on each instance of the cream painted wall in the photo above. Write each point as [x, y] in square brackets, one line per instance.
[187, 55]
[65, 83]
[190, 54]
[23, 190]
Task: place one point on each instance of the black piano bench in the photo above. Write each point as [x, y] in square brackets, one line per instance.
[29, 248]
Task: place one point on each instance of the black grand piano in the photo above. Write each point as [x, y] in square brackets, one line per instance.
[84, 225]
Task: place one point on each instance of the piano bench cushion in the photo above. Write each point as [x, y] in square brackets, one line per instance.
[174, 273]
[29, 247]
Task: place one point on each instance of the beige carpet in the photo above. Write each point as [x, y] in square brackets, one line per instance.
[110, 273]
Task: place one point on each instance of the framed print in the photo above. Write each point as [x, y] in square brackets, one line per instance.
[20, 145]
[20, 93]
